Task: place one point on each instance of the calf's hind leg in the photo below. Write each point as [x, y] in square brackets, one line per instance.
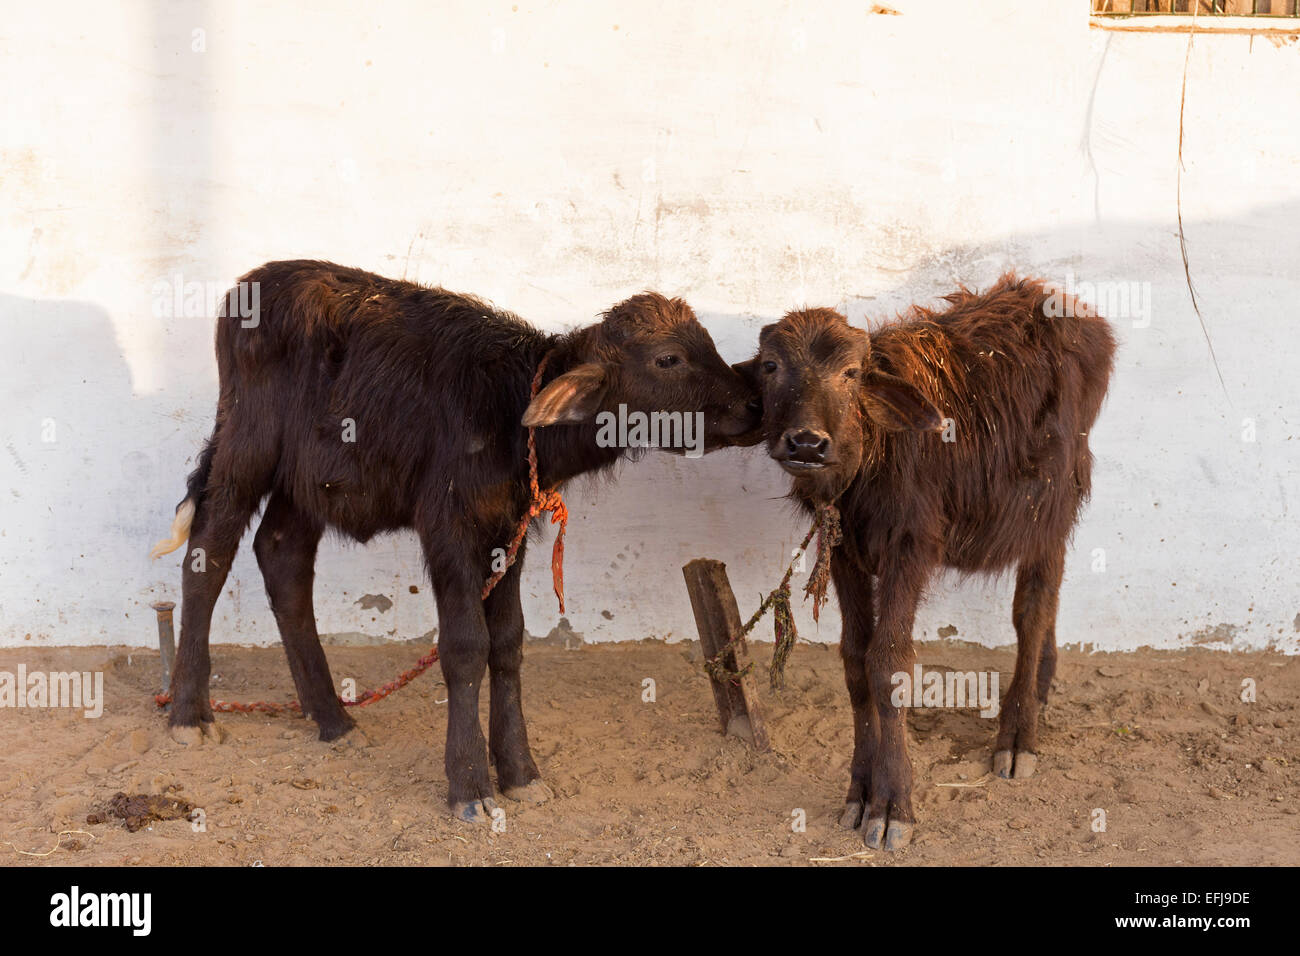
[219, 522]
[285, 545]
[243, 462]
[1038, 586]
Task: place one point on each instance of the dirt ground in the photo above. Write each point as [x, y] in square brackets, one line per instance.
[1185, 771]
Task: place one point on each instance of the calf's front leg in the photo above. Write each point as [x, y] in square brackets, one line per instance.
[517, 772]
[853, 591]
[463, 647]
[889, 821]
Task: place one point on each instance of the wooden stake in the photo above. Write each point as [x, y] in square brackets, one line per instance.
[717, 618]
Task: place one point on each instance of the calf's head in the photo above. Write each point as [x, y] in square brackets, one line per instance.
[650, 355]
[823, 396]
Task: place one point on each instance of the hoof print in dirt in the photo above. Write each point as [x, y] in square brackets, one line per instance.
[354, 738]
[204, 732]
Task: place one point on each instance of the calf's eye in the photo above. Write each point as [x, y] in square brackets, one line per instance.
[851, 372]
[668, 361]
[769, 366]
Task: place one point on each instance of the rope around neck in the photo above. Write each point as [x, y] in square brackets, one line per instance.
[541, 502]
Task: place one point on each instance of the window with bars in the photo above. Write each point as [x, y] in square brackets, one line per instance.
[1220, 8]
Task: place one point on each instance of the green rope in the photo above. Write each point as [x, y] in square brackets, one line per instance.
[827, 522]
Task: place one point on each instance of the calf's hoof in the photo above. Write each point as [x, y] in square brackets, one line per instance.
[474, 811]
[196, 735]
[877, 836]
[851, 818]
[1017, 765]
[532, 792]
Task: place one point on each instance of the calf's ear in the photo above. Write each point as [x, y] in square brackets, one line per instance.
[898, 405]
[749, 372]
[571, 398]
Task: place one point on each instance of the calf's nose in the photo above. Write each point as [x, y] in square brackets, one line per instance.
[806, 444]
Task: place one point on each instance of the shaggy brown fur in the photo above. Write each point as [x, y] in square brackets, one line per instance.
[948, 439]
[368, 405]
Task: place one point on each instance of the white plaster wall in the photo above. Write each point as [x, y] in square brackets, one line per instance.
[559, 157]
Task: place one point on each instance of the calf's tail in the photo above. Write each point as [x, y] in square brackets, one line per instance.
[194, 490]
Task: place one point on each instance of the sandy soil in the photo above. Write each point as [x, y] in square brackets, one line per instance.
[1184, 770]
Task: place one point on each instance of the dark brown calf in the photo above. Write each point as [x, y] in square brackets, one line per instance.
[955, 439]
[369, 405]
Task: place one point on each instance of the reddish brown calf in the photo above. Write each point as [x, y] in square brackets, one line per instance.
[949, 439]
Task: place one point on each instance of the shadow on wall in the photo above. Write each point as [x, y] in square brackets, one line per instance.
[1192, 476]
[80, 473]
[1188, 481]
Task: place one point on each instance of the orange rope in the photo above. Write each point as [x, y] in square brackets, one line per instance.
[541, 502]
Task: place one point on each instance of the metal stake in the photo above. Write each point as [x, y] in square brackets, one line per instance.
[166, 640]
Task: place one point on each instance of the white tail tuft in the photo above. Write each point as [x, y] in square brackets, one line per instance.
[180, 530]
